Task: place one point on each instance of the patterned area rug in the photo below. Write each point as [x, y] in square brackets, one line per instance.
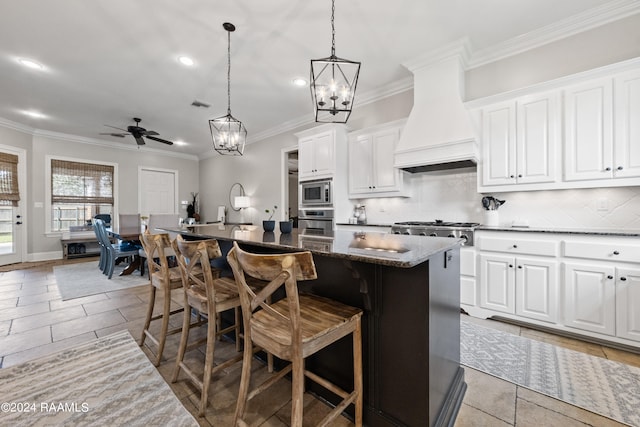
[85, 278]
[598, 385]
[107, 382]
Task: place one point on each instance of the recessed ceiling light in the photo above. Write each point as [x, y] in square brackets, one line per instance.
[34, 114]
[185, 60]
[179, 142]
[30, 63]
[299, 81]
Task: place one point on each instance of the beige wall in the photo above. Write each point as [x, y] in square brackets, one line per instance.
[600, 46]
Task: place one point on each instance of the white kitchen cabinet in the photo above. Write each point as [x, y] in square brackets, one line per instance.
[520, 141]
[371, 157]
[628, 303]
[524, 286]
[468, 282]
[590, 297]
[589, 130]
[319, 150]
[627, 125]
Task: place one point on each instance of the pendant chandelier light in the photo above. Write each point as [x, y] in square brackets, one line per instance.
[333, 83]
[228, 133]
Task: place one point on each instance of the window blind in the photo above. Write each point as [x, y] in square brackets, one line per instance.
[9, 191]
[76, 182]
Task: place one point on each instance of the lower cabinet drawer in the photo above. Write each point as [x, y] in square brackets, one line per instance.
[605, 251]
[518, 246]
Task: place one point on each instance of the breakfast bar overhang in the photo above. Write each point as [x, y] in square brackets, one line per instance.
[409, 289]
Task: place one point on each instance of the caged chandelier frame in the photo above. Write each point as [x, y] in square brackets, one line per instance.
[228, 133]
[333, 83]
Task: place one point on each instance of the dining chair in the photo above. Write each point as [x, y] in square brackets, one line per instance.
[292, 328]
[164, 278]
[209, 295]
[114, 251]
[102, 263]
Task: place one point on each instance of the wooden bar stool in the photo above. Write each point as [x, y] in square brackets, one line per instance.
[292, 328]
[209, 294]
[165, 279]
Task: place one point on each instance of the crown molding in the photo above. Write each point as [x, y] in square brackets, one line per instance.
[16, 126]
[460, 48]
[587, 20]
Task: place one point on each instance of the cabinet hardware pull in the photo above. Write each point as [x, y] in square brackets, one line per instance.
[510, 265]
[616, 253]
[624, 279]
[515, 246]
[520, 266]
[520, 175]
[511, 176]
[607, 169]
[609, 277]
[620, 168]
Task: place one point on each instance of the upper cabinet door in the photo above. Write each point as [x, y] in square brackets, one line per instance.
[324, 154]
[386, 176]
[537, 138]
[305, 157]
[589, 131]
[360, 160]
[499, 144]
[627, 125]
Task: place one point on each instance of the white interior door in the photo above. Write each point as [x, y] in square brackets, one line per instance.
[158, 191]
[12, 221]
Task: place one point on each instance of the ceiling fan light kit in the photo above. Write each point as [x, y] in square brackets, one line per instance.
[228, 133]
[333, 83]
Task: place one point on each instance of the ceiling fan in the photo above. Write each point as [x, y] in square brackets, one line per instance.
[138, 133]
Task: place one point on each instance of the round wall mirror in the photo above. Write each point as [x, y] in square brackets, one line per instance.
[237, 197]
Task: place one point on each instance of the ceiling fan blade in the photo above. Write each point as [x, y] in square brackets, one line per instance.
[164, 141]
[109, 126]
[151, 132]
[119, 135]
[139, 140]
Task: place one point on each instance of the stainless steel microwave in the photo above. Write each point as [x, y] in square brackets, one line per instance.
[316, 193]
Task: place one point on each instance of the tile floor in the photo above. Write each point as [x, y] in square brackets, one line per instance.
[34, 321]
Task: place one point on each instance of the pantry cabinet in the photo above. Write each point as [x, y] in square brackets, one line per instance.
[318, 150]
[371, 157]
[520, 141]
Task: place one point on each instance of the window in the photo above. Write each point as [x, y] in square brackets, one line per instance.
[79, 191]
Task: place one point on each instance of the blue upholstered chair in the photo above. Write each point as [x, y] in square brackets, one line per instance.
[113, 250]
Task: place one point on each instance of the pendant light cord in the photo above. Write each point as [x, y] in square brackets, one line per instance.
[333, 29]
[228, 72]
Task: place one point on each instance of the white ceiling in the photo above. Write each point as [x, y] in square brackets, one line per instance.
[108, 61]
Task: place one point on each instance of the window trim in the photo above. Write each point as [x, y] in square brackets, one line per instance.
[47, 186]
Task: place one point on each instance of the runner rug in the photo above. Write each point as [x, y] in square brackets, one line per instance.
[106, 382]
[609, 388]
[85, 278]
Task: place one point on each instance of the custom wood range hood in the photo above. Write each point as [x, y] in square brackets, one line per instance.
[439, 133]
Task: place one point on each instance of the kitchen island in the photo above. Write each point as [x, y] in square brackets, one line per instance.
[409, 289]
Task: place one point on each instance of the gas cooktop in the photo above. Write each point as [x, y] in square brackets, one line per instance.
[437, 228]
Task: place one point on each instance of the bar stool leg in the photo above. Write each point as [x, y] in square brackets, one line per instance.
[184, 339]
[147, 321]
[297, 390]
[166, 312]
[357, 372]
[208, 366]
[245, 379]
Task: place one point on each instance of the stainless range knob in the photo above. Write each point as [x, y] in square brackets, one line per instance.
[406, 233]
[451, 235]
[422, 233]
[433, 235]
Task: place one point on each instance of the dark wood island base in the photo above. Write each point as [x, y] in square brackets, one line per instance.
[411, 322]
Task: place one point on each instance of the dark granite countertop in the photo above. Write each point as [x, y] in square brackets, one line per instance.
[588, 231]
[371, 247]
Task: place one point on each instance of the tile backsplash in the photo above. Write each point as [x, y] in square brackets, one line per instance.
[453, 196]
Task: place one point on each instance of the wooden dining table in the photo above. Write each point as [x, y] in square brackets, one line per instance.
[127, 234]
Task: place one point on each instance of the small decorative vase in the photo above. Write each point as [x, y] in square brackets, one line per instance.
[269, 225]
[286, 226]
